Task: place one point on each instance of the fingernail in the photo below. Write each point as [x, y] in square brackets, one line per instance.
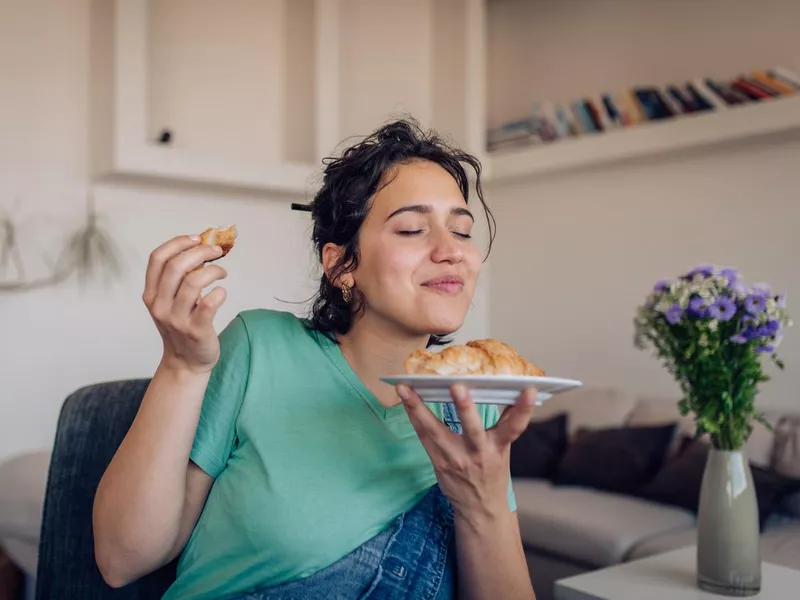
[404, 392]
[459, 392]
[194, 238]
[218, 249]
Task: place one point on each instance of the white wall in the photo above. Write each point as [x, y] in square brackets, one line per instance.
[53, 110]
[578, 251]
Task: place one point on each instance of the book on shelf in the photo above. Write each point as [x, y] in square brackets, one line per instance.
[680, 98]
[774, 83]
[704, 97]
[786, 76]
[606, 111]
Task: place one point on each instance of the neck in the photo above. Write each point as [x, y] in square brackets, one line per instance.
[374, 350]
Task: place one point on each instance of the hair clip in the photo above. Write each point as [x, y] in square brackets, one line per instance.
[305, 207]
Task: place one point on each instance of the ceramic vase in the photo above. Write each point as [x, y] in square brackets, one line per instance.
[728, 544]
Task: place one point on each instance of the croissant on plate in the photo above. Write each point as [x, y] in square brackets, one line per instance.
[478, 357]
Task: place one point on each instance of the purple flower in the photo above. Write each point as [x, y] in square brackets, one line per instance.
[762, 289]
[698, 307]
[661, 286]
[739, 338]
[780, 299]
[704, 270]
[755, 304]
[739, 287]
[745, 335]
[766, 348]
[773, 327]
[674, 314]
[730, 274]
[723, 309]
[762, 331]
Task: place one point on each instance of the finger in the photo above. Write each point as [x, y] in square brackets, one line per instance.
[203, 315]
[176, 269]
[159, 257]
[432, 432]
[192, 286]
[471, 421]
[514, 419]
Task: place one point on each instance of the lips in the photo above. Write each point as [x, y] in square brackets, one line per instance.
[446, 285]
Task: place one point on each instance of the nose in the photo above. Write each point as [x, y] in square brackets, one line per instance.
[446, 249]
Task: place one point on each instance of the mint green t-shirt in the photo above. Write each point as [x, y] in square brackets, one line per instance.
[308, 465]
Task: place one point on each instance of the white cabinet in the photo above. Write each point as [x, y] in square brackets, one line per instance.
[254, 93]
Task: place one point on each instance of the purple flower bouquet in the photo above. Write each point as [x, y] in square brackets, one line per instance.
[710, 329]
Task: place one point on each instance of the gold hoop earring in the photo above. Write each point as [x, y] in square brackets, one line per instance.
[346, 293]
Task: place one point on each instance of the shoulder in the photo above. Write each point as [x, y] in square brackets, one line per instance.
[266, 326]
[263, 318]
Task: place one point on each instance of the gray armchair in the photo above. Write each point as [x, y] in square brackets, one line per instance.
[92, 424]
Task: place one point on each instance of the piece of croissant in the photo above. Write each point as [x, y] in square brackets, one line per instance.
[224, 237]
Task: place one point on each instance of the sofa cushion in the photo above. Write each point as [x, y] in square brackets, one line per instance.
[679, 481]
[588, 526]
[760, 446]
[791, 506]
[786, 455]
[617, 459]
[538, 450]
[663, 542]
[22, 486]
[588, 407]
[22, 553]
[780, 544]
[662, 411]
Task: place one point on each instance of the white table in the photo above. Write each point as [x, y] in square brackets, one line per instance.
[669, 576]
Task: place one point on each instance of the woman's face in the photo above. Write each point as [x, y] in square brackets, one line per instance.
[417, 264]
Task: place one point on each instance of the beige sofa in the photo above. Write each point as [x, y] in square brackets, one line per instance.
[570, 530]
[22, 485]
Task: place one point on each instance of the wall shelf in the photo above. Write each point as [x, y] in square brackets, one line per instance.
[647, 139]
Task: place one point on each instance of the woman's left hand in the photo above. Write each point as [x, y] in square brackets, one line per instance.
[472, 468]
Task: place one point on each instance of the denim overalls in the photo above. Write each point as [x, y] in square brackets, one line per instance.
[413, 559]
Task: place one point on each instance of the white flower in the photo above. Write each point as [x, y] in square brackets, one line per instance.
[713, 325]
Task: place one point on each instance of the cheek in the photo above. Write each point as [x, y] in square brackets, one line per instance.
[387, 268]
[474, 263]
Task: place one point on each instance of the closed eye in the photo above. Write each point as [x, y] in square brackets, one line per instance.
[410, 232]
[466, 236]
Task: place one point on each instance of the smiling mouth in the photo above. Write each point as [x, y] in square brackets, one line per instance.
[445, 285]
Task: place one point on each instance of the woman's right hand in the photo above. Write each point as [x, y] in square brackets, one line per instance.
[176, 276]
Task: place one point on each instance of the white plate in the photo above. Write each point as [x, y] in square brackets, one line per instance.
[484, 389]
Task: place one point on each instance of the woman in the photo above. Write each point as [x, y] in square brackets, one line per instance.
[273, 459]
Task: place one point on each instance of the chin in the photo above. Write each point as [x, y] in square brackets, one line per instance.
[442, 325]
[441, 317]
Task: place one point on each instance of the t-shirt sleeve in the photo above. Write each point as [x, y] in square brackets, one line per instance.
[491, 414]
[216, 429]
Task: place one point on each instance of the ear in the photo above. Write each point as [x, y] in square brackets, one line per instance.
[331, 253]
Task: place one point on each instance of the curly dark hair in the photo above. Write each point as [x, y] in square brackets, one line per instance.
[342, 203]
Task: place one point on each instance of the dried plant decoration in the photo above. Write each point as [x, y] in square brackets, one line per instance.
[88, 252]
[10, 255]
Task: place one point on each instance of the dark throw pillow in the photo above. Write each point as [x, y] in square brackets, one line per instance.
[679, 481]
[618, 459]
[537, 451]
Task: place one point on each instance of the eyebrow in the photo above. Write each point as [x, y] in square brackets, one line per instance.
[427, 209]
